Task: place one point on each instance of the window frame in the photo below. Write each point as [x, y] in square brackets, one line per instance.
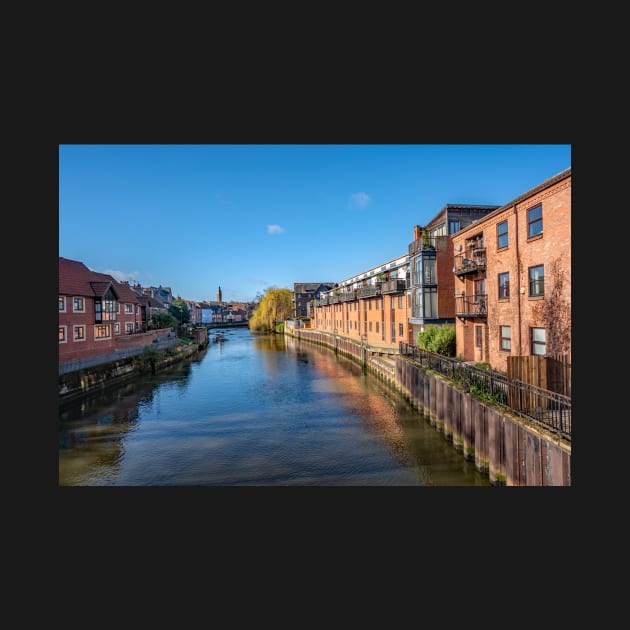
[533, 223]
[534, 344]
[63, 334]
[503, 235]
[62, 303]
[80, 309]
[536, 287]
[505, 340]
[76, 328]
[503, 289]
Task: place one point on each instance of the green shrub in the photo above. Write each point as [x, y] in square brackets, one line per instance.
[438, 339]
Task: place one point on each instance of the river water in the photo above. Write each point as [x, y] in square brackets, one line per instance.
[256, 410]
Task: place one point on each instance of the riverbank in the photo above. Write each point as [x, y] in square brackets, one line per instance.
[506, 447]
[73, 385]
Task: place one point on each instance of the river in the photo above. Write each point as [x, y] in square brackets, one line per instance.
[256, 410]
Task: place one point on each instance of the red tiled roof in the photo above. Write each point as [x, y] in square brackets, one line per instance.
[76, 279]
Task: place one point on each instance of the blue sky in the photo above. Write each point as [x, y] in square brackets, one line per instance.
[247, 217]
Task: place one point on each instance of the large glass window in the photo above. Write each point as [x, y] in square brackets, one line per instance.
[539, 341]
[105, 310]
[502, 234]
[534, 221]
[453, 226]
[504, 286]
[429, 272]
[537, 281]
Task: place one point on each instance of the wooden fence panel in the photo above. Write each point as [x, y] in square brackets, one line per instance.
[552, 372]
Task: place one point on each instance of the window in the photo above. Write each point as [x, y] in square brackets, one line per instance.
[62, 334]
[453, 226]
[478, 336]
[105, 310]
[539, 341]
[393, 340]
[537, 281]
[506, 338]
[370, 326]
[79, 333]
[102, 331]
[128, 308]
[400, 301]
[376, 326]
[400, 330]
[62, 304]
[534, 221]
[502, 234]
[504, 286]
[116, 328]
[78, 305]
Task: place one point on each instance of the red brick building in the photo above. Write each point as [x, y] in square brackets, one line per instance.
[372, 306]
[513, 278]
[94, 310]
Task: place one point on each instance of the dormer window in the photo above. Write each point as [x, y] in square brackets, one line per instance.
[105, 310]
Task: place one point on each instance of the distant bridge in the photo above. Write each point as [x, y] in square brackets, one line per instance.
[227, 324]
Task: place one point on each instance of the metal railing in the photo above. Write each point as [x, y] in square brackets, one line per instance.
[542, 406]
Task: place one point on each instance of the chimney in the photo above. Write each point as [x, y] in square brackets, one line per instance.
[417, 232]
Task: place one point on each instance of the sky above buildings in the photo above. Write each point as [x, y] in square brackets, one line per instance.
[248, 217]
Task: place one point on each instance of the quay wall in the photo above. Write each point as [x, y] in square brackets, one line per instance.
[506, 447]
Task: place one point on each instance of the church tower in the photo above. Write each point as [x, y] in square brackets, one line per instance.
[219, 296]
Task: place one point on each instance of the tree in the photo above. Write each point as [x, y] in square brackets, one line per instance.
[164, 320]
[274, 307]
[179, 309]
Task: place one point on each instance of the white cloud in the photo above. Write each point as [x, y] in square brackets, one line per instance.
[274, 229]
[122, 276]
[359, 200]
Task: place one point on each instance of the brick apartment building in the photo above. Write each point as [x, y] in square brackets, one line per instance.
[372, 306]
[513, 278]
[431, 265]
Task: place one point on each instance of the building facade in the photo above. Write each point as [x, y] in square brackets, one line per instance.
[431, 265]
[304, 293]
[94, 310]
[371, 307]
[512, 274]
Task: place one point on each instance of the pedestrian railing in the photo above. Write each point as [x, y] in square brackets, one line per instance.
[542, 406]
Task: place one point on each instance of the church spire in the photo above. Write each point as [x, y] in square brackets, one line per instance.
[219, 296]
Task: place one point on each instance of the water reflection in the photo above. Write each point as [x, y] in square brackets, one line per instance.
[255, 410]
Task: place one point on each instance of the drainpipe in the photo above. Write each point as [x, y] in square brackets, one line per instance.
[518, 275]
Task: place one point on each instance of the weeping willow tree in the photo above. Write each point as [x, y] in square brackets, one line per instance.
[274, 307]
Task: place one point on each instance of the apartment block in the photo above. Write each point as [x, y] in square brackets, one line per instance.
[512, 274]
[372, 306]
[431, 265]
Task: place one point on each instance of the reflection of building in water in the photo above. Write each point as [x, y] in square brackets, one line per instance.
[92, 430]
[365, 396]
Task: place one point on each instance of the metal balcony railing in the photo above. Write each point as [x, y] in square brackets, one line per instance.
[473, 306]
[397, 285]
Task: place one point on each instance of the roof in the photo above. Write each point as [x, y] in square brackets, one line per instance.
[77, 280]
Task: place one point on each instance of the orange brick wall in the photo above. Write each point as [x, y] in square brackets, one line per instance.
[552, 248]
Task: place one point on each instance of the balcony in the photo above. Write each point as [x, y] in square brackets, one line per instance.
[474, 306]
[464, 265]
[370, 291]
[424, 244]
[397, 285]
